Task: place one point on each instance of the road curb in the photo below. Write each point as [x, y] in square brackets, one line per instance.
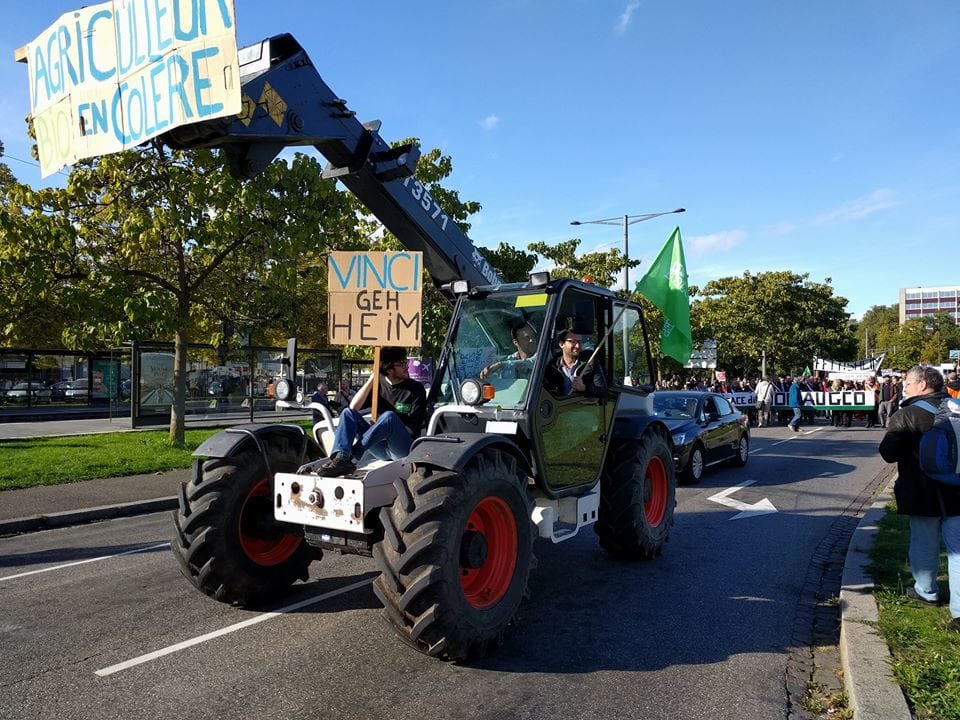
[873, 692]
[33, 523]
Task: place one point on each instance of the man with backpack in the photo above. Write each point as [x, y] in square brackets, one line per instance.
[933, 507]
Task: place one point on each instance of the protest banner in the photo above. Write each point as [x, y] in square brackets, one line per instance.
[111, 76]
[375, 298]
[834, 400]
[859, 370]
[741, 399]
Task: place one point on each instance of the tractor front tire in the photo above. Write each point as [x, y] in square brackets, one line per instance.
[638, 493]
[227, 543]
[456, 555]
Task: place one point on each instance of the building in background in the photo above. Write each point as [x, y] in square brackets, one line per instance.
[927, 302]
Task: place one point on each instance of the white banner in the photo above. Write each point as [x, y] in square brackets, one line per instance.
[841, 400]
[868, 365]
[111, 76]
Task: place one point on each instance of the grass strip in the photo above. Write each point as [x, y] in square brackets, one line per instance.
[926, 656]
[31, 462]
[57, 460]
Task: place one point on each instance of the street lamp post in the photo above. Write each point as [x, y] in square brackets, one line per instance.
[627, 221]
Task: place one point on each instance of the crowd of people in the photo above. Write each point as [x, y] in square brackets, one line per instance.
[887, 392]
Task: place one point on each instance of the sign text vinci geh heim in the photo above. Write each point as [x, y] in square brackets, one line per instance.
[375, 298]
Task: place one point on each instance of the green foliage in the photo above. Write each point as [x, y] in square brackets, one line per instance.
[433, 168]
[512, 264]
[924, 339]
[879, 326]
[601, 267]
[783, 313]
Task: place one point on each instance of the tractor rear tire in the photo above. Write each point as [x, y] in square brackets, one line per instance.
[638, 493]
[227, 543]
[456, 556]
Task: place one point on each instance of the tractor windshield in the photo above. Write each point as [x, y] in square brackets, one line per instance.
[496, 339]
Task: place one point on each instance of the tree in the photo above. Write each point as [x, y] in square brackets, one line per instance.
[169, 243]
[880, 325]
[512, 264]
[600, 268]
[433, 167]
[782, 313]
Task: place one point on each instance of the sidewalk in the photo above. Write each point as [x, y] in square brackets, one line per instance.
[50, 506]
[873, 693]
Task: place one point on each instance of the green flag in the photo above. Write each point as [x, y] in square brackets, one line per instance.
[665, 285]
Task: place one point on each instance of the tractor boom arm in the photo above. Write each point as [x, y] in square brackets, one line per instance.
[287, 103]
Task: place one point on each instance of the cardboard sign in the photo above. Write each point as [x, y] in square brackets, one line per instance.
[111, 76]
[375, 298]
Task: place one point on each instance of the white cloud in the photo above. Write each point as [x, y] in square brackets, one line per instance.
[713, 244]
[780, 229]
[490, 122]
[861, 207]
[626, 17]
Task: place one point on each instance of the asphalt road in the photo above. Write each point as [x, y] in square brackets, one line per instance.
[98, 623]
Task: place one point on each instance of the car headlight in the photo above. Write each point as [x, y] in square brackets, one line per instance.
[679, 439]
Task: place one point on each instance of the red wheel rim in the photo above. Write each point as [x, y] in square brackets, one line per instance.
[260, 537]
[655, 491]
[486, 585]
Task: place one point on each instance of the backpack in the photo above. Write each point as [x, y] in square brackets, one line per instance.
[939, 456]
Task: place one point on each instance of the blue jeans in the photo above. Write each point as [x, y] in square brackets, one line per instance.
[795, 422]
[925, 534]
[387, 439]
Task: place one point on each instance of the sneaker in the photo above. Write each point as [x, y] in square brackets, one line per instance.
[795, 428]
[913, 595]
[954, 624]
[336, 466]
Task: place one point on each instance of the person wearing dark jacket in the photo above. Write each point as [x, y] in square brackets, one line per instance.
[402, 408]
[578, 376]
[933, 508]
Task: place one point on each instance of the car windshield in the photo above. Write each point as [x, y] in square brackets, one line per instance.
[673, 405]
[496, 338]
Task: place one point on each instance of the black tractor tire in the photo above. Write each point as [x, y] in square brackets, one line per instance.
[227, 543]
[696, 463]
[456, 556]
[638, 494]
[743, 451]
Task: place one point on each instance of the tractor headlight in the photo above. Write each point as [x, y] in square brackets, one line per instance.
[283, 390]
[679, 439]
[471, 391]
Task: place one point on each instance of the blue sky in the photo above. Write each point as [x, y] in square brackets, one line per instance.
[820, 137]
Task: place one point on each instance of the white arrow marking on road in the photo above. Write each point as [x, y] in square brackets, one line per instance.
[762, 507]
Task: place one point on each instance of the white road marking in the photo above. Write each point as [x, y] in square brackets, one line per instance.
[84, 562]
[170, 649]
[761, 507]
[796, 435]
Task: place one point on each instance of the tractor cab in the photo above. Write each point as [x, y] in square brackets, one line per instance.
[502, 371]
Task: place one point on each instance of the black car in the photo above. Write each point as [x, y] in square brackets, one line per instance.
[706, 430]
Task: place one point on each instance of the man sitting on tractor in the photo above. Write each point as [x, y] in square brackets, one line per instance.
[579, 376]
[525, 341]
[402, 407]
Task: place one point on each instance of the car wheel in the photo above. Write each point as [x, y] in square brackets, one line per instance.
[743, 451]
[693, 472]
